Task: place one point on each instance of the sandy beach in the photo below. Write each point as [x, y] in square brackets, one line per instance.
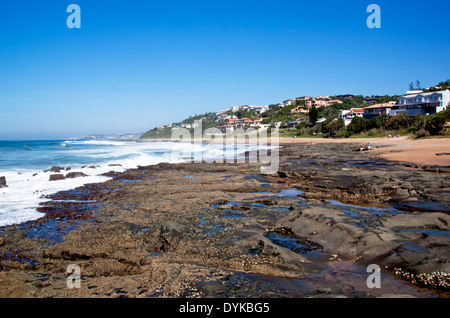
[418, 151]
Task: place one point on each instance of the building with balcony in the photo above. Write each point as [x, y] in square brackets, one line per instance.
[377, 110]
[418, 102]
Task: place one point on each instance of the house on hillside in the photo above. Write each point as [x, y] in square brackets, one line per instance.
[242, 123]
[237, 108]
[348, 115]
[287, 102]
[418, 102]
[369, 101]
[320, 103]
[298, 110]
[298, 99]
[228, 128]
[346, 96]
[260, 109]
[292, 123]
[377, 110]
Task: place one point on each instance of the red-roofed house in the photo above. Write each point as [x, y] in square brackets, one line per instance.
[348, 115]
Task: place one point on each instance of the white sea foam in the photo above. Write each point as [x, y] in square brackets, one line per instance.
[27, 188]
[97, 142]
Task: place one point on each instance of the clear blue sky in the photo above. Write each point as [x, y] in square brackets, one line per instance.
[135, 65]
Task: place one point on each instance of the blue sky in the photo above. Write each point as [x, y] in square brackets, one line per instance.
[135, 65]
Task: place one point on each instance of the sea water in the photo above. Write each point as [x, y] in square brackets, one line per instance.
[26, 165]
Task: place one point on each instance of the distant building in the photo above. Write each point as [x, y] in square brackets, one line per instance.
[348, 115]
[228, 128]
[320, 103]
[346, 96]
[293, 123]
[418, 102]
[237, 108]
[377, 110]
[323, 97]
[299, 109]
[260, 109]
[287, 102]
[369, 100]
[235, 123]
[303, 98]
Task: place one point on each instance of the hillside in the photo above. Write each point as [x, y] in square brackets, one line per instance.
[318, 117]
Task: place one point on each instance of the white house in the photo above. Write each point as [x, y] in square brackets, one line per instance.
[348, 115]
[260, 109]
[287, 102]
[418, 102]
[237, 108]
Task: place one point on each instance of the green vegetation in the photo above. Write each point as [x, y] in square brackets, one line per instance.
[313, 115]
[155, 133]
[279, 114]
[419, 126]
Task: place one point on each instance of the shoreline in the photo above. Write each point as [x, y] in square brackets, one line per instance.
[200, 230]
[421, 152]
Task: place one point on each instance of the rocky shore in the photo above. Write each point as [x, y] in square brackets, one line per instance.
[226, 230]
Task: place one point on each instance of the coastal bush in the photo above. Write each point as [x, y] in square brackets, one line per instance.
[422, 133]
[313, 115]
[332, 126]
[435, 123]
[360, 124]
[419, 125]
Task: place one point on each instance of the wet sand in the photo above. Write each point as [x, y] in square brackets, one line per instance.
[421, 152]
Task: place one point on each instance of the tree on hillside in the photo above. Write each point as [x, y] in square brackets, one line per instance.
[313, 115]
[444, 85]
[418, 86]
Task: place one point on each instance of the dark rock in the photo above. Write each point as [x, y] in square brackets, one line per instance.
[430, 168]
[211, 287]
[114, 165]
[282, 174]
[72, 175]
[55, 177]
[110, 174]
[444, 169]
[3, 182]
[170, 234]
[56, 169]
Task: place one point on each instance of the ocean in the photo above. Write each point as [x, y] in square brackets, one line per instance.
[26, 165]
